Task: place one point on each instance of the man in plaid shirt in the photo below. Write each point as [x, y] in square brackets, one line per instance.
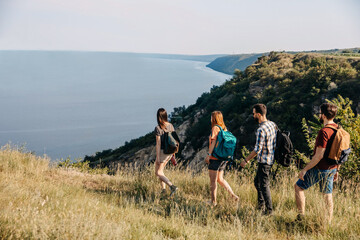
[265, 150]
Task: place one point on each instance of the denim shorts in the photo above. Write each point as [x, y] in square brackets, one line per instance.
[325, 178]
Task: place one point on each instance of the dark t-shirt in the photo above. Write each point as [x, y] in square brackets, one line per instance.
[324, 140]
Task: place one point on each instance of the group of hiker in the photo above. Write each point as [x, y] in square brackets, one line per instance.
[332, 148]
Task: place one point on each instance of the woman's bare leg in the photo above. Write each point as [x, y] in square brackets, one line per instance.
[159, 172]
[213, 185]
[225, 184]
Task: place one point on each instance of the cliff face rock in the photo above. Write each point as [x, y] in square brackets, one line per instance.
[198, 115]
[255, 88]
[181, 130]
[141, 158]
[226, 99]
[145, 156]
[198, 162]
[188, 151]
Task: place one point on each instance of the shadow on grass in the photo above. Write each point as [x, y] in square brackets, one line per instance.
[292, 226]
[144, 197]
[165, 206]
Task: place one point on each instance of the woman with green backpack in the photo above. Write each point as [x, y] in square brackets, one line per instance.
[216, 165]
[162, 155]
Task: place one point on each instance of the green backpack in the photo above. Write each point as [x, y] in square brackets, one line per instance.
[225, 145]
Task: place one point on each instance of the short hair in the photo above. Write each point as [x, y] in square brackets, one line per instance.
[329, 110]
[260, 108]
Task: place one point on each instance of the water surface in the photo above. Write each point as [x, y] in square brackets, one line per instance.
[77, 103]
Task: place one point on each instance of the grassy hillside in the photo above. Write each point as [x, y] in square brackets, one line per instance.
[291, 85]
[42, 202]
[229, 63]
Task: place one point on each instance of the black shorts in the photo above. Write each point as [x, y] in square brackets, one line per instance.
[217, 165]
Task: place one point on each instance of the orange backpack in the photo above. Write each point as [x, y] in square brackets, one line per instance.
[340, 147]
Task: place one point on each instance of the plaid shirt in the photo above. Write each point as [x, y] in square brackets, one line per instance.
[266, 142]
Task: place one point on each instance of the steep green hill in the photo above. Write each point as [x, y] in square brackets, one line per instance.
[228, 64]
[291, 85]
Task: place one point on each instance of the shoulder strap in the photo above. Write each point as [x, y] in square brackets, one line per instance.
[328, 147]
[276, 126]
[219, 127]
[332, 127]
[166, 129]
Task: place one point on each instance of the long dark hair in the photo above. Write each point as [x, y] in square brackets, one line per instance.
[162, 117]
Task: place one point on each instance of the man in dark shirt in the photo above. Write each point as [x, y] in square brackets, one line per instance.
[318, 170]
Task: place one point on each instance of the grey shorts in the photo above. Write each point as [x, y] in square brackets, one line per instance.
[164, 157]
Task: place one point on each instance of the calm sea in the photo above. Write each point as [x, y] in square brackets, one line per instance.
[77, 103]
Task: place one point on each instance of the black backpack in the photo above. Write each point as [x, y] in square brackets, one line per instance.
[284, 148]
[171, 142]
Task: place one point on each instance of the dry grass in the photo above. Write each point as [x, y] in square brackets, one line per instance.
[40, 202]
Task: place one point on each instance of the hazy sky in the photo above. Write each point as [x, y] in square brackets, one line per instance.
[179, 26]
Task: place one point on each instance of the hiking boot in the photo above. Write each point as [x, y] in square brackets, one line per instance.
[300, 218]
[260, 208]
[267, 213]
[173, 189]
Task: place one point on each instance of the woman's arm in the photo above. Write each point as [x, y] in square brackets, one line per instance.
[212, 146]
[211, 149]
[158, 149]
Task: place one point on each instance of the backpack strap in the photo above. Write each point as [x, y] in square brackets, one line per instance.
[225, 129]
[328, 147]
[166, 129]
[334, 128]
[216, 126]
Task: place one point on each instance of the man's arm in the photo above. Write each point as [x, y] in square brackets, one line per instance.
[248, 158]
[314, 161]
[258, 147]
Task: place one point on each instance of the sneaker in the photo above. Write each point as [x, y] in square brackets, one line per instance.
[173, 189]
[210, 203]
[300, 218]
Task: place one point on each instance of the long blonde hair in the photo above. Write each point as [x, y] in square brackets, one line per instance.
[217, 119]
